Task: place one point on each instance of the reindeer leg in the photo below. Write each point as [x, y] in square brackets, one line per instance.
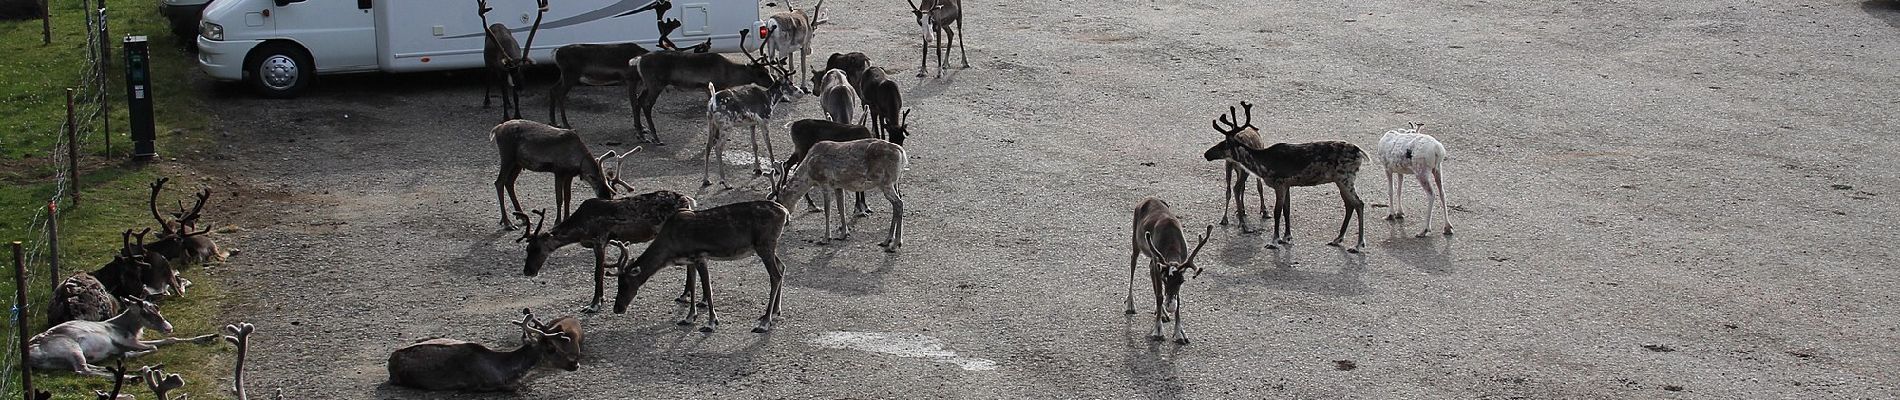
[506, 182]
[864, 210]
[712, 139]
[1439, 181]
[152, 345]
[1180, 333]
[563, 196]
[844, 224]
[770, 154]
[964, 51]
[600, 278]
[705, 286]
[1260, 193]
[896, 238]
[488, 87]
[757, 170]
[826, 237]
[940, 52]
[923, 62]
[1239, 192]
[1431, 203]
[769, 254]
[1161, 315]
[1132, 257]
[1228, 195]
[686, 297]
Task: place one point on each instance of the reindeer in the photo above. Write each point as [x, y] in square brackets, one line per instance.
[449, 364]
[136, 272]
[75, 345]
[539, 147]
[690, 237]
[882, 102]
[853, 64]
[176, 240]
[1405, 151]
[599, 222]
[936, 16]
[503, 59]
[747, 106]
[1235, 191]
[859, 165]
[1157, 234]
[1285, 165]
[791, 31]
[595, 65]
[686, 70]
[81, 297]
[837, 97]
[807, 132]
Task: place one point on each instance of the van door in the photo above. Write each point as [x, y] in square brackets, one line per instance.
[340, 34]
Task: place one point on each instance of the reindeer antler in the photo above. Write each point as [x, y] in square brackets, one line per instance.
[239, 335]
[190, 218]
[742, 49]
[1197, 250]
[542, 12]
[157, 186]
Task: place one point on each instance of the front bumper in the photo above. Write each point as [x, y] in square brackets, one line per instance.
[224, 59]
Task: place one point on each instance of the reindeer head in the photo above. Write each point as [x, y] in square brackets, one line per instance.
[1176, 270]
[1228, 145]
[539, 244]
[557, 348]
[611, 172]
[900, 129]
[147, 314]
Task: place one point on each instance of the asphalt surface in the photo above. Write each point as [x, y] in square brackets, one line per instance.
[1687, 199]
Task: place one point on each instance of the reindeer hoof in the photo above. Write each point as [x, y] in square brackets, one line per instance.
[1334, 243]
[1180, 340]
[920, 75]
[705, 183]
[1447, 230]
[1353, 250]
[1392, 217]
[684, 322]
[1273, 246]
[1423, 234]
[1130, 311]
[684, 300]
[706, 329]
[591, 309]
[1157, 338]
[761, 330]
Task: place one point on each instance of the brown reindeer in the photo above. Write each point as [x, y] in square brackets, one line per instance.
[1157, 234]
[535, 146]
[729, 232]
[599, 223]
[504, 58]
[1285, 165]
[176, 240]
[936, 17]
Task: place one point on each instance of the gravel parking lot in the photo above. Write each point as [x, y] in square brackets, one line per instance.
[1653, 200]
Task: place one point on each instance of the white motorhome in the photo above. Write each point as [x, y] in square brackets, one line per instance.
[277, 46]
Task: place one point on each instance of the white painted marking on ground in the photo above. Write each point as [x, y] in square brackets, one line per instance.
[909, 345]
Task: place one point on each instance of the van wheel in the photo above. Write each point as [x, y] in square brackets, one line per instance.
[278, 70]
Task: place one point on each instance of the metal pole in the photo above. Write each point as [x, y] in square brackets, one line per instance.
[19, 300]
[72, 156]
[105, 65]
[46, 23]
[52, 243]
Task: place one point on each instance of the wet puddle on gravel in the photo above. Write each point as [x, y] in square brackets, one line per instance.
[908, 345]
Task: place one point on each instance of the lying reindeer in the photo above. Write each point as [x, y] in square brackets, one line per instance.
[449, 364]
[75, 345]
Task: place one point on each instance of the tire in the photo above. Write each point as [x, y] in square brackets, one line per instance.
[278, 70]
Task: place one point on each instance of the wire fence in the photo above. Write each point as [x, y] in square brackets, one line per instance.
[88, 125]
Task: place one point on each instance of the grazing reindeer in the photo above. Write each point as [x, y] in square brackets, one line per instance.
[685, 70]
[535, 146]
[882, 102]
[837, 97]
[75, 345]
[1157, 234]
[806, 132]
[1405, 151]
[728, 232]
[176, 240]
[503, 58]
[747, 106]
[1285, 165]
[936, 16]
[791, 31]
[633, 219]
[449, 364]
[858, 166]
[1236, 191]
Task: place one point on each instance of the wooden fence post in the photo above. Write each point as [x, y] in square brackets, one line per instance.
[19, 300]
[52, 243]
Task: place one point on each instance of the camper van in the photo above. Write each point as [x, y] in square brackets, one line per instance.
[277, 46]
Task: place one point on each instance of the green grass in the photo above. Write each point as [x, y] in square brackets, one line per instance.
[33, 78]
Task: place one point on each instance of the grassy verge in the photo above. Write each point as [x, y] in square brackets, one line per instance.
[33, 78]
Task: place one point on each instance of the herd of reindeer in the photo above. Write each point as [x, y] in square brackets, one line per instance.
[857, 147]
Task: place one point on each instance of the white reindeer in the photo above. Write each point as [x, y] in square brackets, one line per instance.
[1405, 151]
